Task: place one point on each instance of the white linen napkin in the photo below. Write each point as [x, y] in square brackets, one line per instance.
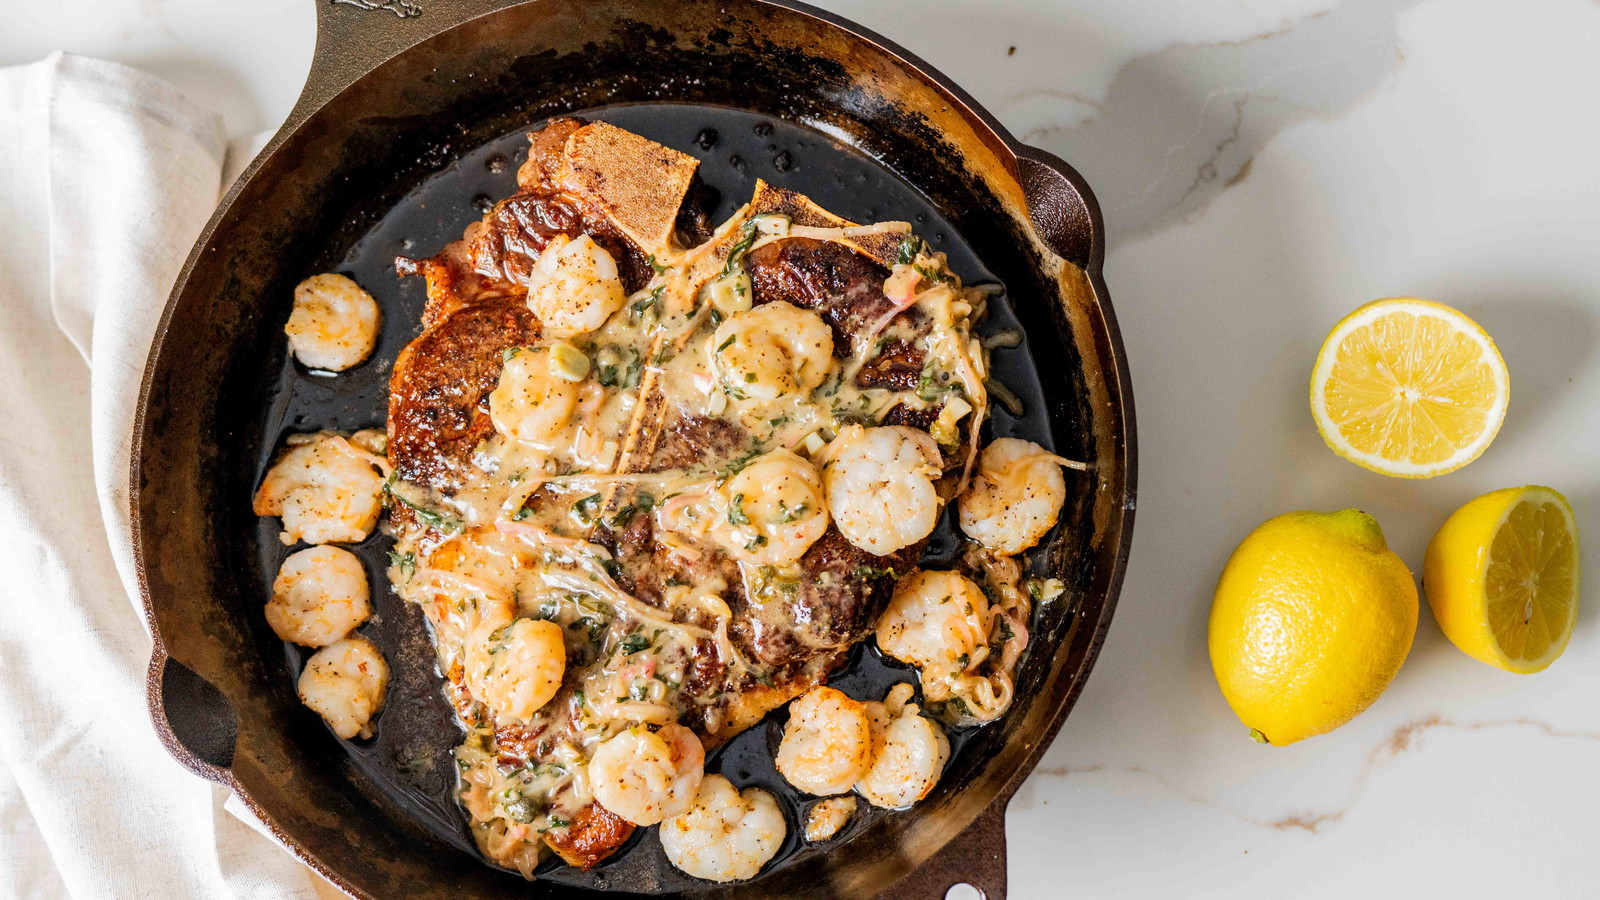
[106, 176]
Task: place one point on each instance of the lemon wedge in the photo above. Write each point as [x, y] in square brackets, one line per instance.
[1502, 577]
[1409, 388]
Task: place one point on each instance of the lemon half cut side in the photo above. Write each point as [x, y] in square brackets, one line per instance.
[1410, 388]
[1502, 577]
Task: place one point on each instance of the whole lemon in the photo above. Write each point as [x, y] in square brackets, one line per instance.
[1312, 618]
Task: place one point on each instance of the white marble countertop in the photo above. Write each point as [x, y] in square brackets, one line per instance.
[1264, 168]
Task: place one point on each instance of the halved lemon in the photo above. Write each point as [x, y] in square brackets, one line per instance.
[1409, 387]
[1502, 577]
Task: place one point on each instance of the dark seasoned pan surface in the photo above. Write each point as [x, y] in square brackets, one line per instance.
[410, 761]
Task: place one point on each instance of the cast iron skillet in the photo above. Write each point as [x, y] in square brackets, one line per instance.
[397, 91]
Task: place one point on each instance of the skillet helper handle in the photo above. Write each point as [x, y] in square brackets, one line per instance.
[356, 36]
[193, 720]
[1063, 210]
[975, 858]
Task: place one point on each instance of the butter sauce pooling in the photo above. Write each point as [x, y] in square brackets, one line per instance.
[748, 762]
[519, 540]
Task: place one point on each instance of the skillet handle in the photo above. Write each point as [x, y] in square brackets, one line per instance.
[356, 36]
[1063, 210]
[192, 718]
[975, 858]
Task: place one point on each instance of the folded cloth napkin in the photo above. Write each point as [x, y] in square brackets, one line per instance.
[108, 176]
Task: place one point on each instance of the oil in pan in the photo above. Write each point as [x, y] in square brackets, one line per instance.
[410, 762]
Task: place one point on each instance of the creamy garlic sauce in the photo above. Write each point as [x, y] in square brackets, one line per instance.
[521, 539]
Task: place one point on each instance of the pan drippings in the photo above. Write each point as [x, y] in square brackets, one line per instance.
[638, 520]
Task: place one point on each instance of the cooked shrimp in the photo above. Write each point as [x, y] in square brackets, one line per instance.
[371, 440]
[574, 287]
[344, 683]
[938, 622]
[912, 757]
[324, 488]
[775, 510]
[533, 402]
[646, 776]
[880, 489]
[319, 596]
[770, 351]
[728, 835]
[468, 584]
[334, 323]
[827, 744]
[1015, 497]
[826, 817]
[516, 668]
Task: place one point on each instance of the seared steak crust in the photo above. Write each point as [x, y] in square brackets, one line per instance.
[594, 834]
[690, 440]
[897, 364]
[844, 287]
[794, 624]
[437, 414]
[438, 407]
[506, 244]
[496, 254]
